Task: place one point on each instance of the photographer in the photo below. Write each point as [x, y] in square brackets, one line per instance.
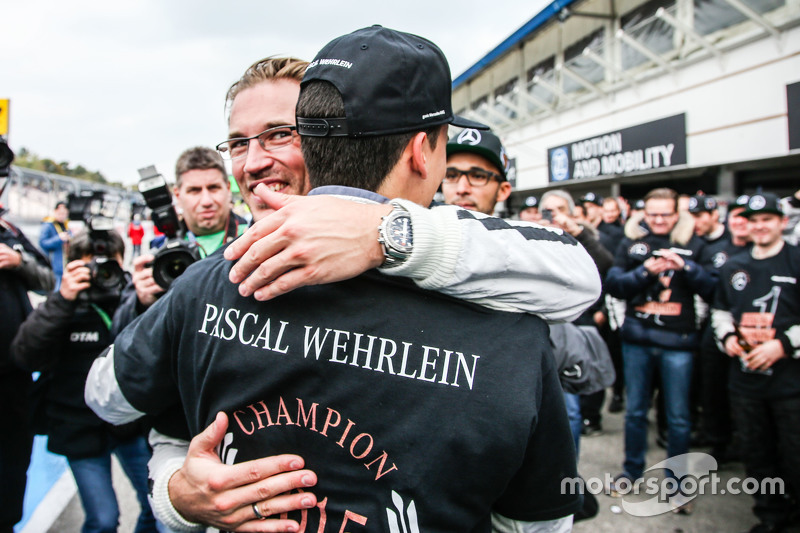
[202, 195]
[23, 268]
[61, 338]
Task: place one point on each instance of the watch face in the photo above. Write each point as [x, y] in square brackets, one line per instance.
[400, 233]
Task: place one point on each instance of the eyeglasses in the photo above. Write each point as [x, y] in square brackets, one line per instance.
[477, 177]
[659, 215]
[270, 139]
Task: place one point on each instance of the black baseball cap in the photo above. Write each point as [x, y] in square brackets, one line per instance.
[530, 201]
[700, 203]
[741, 201]
[592, 198]
[763, 202]
[483, 143]
[390, 81]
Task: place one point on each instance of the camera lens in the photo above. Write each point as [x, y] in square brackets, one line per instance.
[107, 274]
[171, 261]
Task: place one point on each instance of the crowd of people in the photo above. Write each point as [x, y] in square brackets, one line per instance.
[312, 369]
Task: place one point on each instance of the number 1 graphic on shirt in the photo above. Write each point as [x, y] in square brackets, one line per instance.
[762, 302]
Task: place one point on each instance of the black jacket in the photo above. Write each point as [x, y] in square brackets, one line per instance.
[33, 274]
[660, 309]
[61, 338]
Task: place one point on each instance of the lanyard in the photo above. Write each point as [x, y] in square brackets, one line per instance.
[103, 315]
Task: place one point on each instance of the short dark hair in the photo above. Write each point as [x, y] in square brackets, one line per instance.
[362, 162]
[199, 158]
[82, 244]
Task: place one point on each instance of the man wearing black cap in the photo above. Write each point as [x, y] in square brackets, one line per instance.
[530, 210]
[756, 319]
[357, 377]
[593, 205]
[475, 178]
[715, 419]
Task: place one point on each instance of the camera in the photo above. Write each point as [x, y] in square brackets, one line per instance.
[177, 254]
[547, 214]
[107, 277]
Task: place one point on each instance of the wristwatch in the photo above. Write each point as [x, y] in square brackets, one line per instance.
[396, 236]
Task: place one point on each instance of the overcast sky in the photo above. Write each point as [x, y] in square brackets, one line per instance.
[119, 85]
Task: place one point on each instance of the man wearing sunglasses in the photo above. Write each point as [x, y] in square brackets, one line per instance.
[475, 178]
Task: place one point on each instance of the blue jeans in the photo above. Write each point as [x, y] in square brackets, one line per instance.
[573, 404]
[639, 363]
[93, 477]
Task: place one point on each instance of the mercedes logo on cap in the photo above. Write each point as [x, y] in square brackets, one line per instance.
[757, 202]
[469, 136]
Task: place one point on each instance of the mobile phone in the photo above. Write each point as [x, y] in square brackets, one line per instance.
[547, 214]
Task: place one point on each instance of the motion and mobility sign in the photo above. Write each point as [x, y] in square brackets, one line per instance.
[653, 145]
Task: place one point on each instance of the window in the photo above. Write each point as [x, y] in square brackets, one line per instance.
[546, 71]
[651, 32]
[713, 15]
[581, 65]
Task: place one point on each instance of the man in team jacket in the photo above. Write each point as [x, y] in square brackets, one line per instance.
[756, 319]
[382, 387]
[657, 273]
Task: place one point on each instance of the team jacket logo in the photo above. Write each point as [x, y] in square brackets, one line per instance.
[639, 248]
[739, 280]
[719, 259]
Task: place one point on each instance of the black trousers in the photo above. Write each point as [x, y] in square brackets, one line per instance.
[714, 397]
[15, 445]
[770, 432]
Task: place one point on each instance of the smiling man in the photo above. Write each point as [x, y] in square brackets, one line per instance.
[269, 119]
[475, 178]
[658, 276]
[414, 175]
[758, 290]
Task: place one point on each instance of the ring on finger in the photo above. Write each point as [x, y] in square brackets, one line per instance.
[258, 513]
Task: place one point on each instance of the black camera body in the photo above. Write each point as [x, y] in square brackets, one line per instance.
[107, 277]
[176, 254]
[547, 214]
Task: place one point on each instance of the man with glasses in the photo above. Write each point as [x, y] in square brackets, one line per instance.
[420, 167]
[526, 274]
[658, 276]
[476, 171]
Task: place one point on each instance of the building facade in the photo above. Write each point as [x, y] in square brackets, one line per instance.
[621, 96]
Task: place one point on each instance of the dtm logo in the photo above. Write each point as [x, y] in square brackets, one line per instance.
[84, 336]
[559, 164]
